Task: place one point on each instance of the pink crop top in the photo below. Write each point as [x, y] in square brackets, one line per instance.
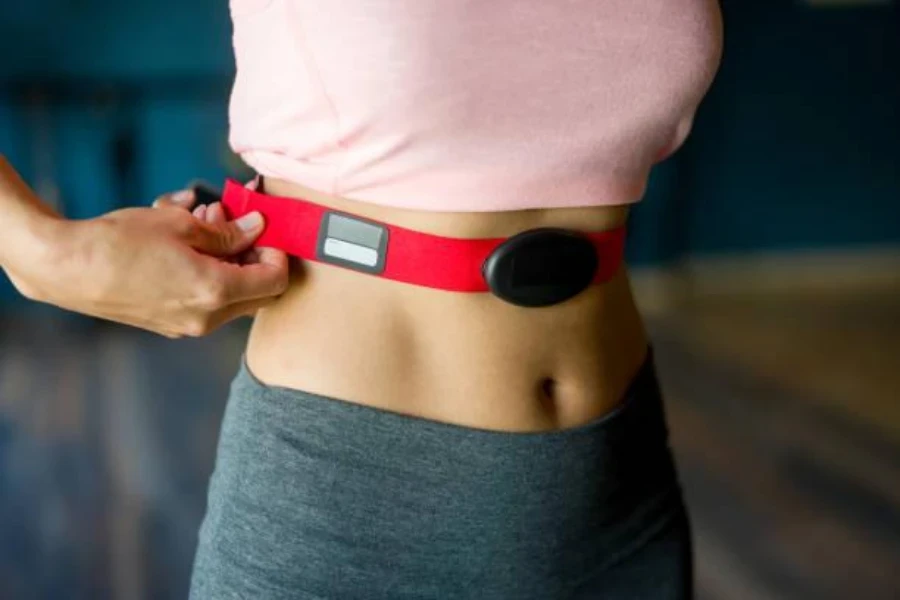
[469, 105]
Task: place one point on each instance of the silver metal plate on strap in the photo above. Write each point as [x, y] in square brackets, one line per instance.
[352, 242]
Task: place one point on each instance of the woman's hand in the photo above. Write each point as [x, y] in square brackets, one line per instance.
[162, 269]
[214, 214]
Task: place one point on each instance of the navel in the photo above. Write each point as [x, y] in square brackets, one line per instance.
[548, 388]
[548, 393]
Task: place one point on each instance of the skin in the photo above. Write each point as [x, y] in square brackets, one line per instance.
[464, 358]
[468, 359]
[159, 269]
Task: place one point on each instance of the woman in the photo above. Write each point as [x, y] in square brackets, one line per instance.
[400, 427]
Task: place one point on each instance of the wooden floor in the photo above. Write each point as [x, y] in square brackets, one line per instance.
[784, 413]
[785, 418]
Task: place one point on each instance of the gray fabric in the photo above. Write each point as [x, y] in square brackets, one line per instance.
[320, 498]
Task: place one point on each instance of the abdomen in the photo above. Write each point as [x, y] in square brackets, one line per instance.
[466, 358]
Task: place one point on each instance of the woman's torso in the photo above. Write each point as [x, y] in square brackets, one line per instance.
[471, 121]
[466, 358]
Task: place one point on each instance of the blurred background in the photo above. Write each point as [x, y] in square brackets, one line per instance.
[766, 258]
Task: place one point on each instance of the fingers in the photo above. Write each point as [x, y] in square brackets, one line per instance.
[249, 257]
[239, 290]
[229, 291]
[267, 277]
[226, 238]
[181, 199]
[210, 213]
[235, 311]
[215, 213]
[269, 256]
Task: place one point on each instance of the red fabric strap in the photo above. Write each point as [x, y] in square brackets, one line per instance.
[412, 256]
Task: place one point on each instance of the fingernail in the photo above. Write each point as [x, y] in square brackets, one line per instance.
[214, 213]
[250, 221]
[183, 197]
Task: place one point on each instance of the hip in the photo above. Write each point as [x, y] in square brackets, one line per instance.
[316, 497]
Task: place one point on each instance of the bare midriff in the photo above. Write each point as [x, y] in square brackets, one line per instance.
[465, 358]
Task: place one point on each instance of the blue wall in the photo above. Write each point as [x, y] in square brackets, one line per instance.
[114, 38]
[796, 145]
[145, 81]
[127, 99]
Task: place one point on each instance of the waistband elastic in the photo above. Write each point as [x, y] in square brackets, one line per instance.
[634, 430]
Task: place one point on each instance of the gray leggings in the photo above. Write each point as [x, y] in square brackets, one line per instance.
[319, 498]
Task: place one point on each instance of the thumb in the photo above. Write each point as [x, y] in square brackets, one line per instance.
[227, 238]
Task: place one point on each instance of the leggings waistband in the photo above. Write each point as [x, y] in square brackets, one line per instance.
[611, 447]
[317, 497]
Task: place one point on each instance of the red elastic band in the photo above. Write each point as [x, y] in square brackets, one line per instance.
[412, 256]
